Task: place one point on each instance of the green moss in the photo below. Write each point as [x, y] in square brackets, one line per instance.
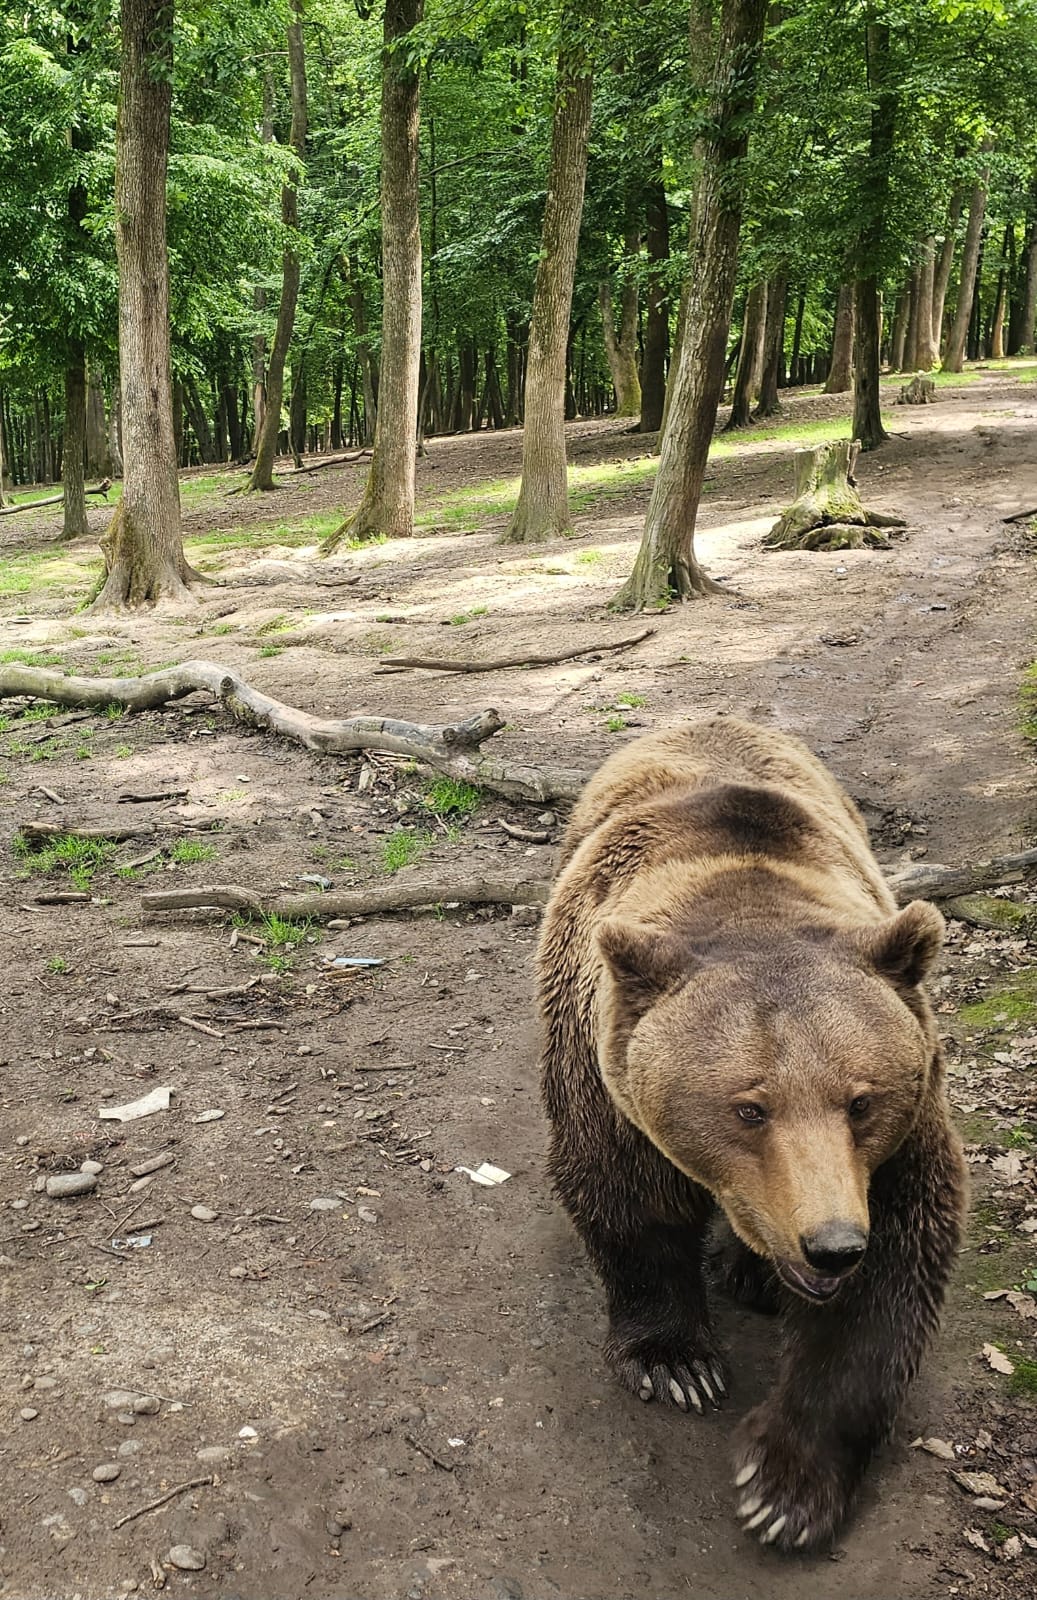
[1015, 1003]
[1024, 1379]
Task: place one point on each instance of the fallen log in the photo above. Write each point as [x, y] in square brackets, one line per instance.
[408, 896]
[52, 500]
[453, 749]
[935, 882]
[930, 882]
[434, 664]
[36, 833]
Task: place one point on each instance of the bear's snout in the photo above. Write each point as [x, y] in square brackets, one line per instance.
[835, 1249]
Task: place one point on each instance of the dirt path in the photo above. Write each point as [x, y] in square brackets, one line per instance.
[399, 1391]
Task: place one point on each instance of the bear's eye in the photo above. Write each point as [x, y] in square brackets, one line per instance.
[752, 1114]
[860, 1105]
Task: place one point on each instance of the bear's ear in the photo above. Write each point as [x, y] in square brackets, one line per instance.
[643, 963]
[904, 949]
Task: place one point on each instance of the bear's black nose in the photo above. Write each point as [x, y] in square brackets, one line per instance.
[835, 1248]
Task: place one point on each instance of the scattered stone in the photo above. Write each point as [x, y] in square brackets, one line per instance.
[147, 1405]
[212, 1454]
[238, 1272]
[333, 1528]
[127, 1418]
[65, 1184]
[19, 1205]
[107, 1472]
[366, 1214]
[118, 1399]
[28, 1414]
[203, 1214]
[22, 1139]
[93, 1167]
[980, 1483]
[185, 1559]
[344, 1520]
[247, 1432]
[325, 1203]
[78, 1497]
[547, 819]
[152, 1164]
[45, 1381]
[129, 1447]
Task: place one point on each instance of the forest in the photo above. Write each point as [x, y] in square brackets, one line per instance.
[404, 405]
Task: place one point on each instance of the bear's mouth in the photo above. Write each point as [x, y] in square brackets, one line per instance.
[810, 1285]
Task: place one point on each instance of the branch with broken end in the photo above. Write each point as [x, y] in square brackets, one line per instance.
[452, 749]
[411, 896]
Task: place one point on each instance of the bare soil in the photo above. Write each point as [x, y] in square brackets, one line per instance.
[416, 1364]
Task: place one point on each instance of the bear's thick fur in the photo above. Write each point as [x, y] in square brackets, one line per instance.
[735, 1024]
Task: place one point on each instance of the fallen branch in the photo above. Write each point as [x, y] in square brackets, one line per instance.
[36, 833]
[359, 903]
[936, 882]
[330, 461]
[433, 664]
[52, 500]
[452, 749]
[1021, 516]
[170, 1494]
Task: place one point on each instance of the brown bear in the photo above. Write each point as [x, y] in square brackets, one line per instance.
[735, 1025]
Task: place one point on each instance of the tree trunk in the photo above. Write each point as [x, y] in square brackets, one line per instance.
[997, 321]
[840, 369]
[387, 506]
[927, 347]
[827, 513]
[621, 343]
[901, 318]
[867, 412]
[750, 357]
[909, 359]
[942, 277]
[266, 445]
[657, 315]
[73, 452]
[954, 355]
[297, 412]
[1029, 311]
[666, 563]
[543, 503]
[259, 292]
[772, 370]
[143, 546]
[98, 462]
[198, 417]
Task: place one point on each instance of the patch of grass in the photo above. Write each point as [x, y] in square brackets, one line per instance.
[122, 751]
[230, 797]
[1014, 1003]
[41, 711]
[464, 617]
[634, 701]
[220, 629]
[262, 536]
[58, 964]
[83, 752]
[80, 858]
[278, 624]
[132, 874]
[364, 544]
[283, 936]
[113, 712]
[401, 849]
[1024, 1379]
[186, 852]
[31, 658]
[615, 724]
[588, 558]
[271, 650]
[446, 797]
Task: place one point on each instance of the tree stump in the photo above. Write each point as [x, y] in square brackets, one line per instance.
[921, 391]
[827, 513]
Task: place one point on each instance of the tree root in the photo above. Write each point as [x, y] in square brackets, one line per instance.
[452, 749]
[360, 903]
[400, 663]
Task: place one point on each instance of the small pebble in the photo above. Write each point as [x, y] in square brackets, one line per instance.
[547, 819]
[344, 1520]
[211, 1454]
[147, 1405]
[19, 1205]
[202, 1214]
[247, 1433]
[65, 1184]
[366, 1214]
[185, 1559]
[129, 1447]
[325, 1203]
[333, 1528]
[78, 1496]
[238, 1272]
[28, 1414]
[126, 1418]
[23, 1139]
[45, 1382]
[106, 1473]
[93, 1167]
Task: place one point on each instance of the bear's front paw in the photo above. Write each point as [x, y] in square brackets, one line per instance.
[673, 1372]
[792, 1494]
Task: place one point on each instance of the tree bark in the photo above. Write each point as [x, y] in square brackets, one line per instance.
[772, 370]
[143, 546]
[73, 451]
[954, 355]
[927, 348]
[266, 445]
[621, 342]
[98, 460]
[387, 506]
[666, 563]
[997, 321]
[1029, 312]
[867, 413]
[750, 357]
[909, 359]
[543, 503]
[840, 370]
[657, 315]
[945, 264]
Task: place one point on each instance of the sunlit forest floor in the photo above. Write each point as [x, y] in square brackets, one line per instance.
[386, 1378]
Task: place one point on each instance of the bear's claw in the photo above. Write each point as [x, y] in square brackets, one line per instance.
[792, 1497]
[654, 1373]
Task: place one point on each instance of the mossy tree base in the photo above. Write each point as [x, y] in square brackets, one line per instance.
[827, 512]
[921, 391]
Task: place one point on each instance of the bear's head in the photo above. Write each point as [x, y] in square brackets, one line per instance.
[778, 1073]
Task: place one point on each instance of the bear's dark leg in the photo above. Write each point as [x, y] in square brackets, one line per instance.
[740, 1273]
[660, 1342]
[847, 1364]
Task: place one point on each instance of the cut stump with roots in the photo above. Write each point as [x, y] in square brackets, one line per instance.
[827, 512]
[921, 391]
